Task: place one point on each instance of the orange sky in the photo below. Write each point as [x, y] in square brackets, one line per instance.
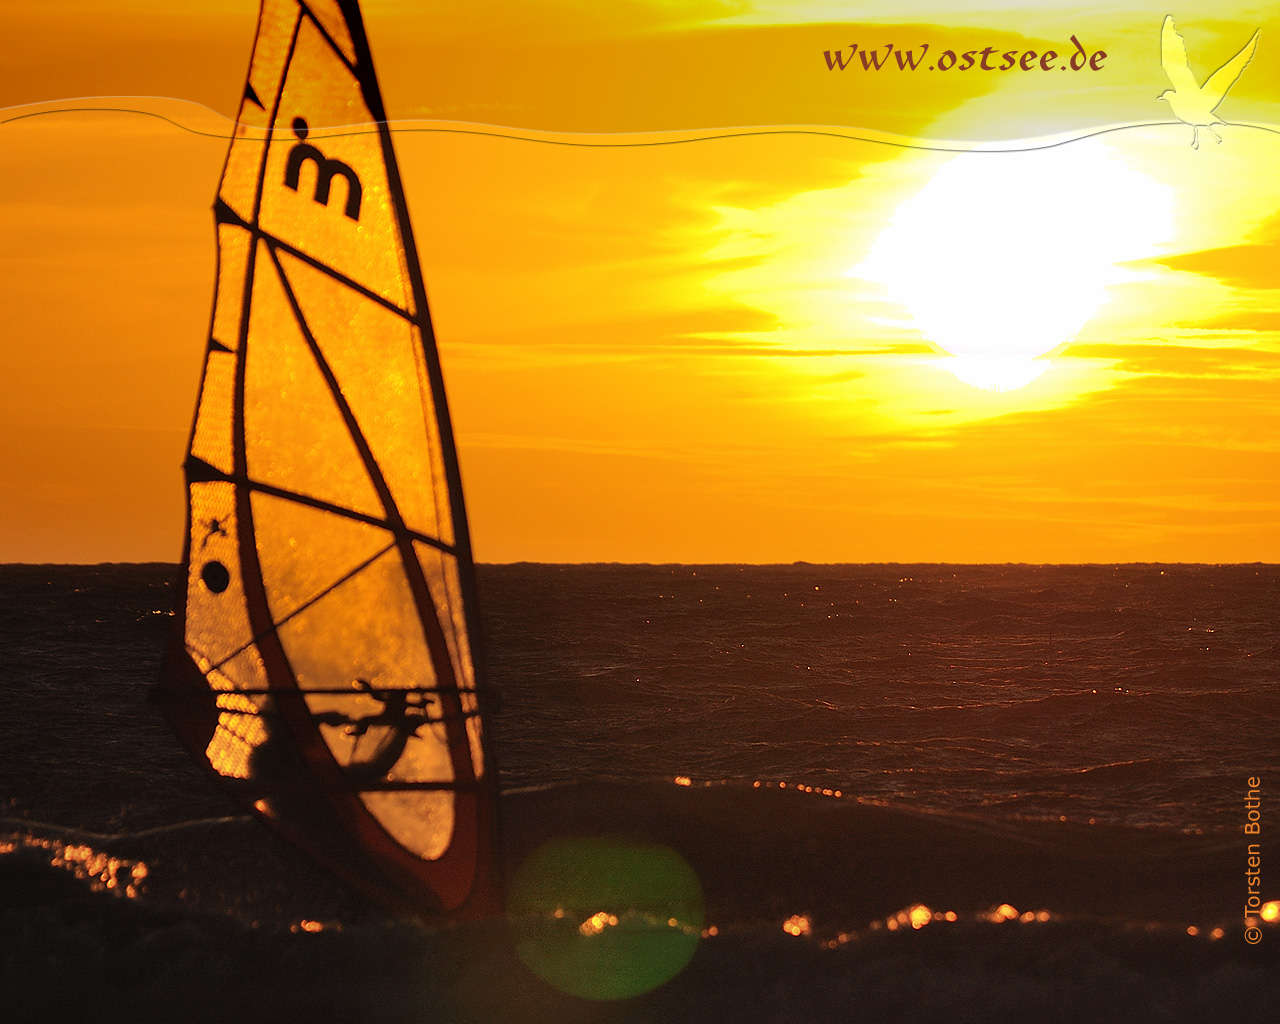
[659, 353]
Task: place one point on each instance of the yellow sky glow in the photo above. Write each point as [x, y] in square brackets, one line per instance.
[660, 353]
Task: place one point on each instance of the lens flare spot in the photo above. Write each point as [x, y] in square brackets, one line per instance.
[605, 918]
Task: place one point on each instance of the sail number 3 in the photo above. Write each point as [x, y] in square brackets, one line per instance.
[326, 170]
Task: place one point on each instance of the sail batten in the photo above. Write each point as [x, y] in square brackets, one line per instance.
[199, 470]
[279, 245]
[324, 664]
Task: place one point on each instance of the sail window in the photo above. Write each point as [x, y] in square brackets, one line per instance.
[296, 437]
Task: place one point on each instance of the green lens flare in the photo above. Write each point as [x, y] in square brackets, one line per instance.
[606, 918]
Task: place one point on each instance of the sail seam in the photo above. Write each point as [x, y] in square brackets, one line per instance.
[275, 626]
[255, 597]
[274, 244]
[428, 613]
[460, 742]
[337, 50]
[435, 376]
[344, 408]
[430, 353]
[346, 513]
[285, 68]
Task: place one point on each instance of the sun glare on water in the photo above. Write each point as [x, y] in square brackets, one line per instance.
[1003, 257]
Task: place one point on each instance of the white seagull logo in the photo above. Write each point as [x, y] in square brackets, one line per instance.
[1191, 103]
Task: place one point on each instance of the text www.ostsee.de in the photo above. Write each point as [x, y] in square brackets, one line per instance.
[913, 59]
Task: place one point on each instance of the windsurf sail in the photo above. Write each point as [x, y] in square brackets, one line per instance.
[323, 664]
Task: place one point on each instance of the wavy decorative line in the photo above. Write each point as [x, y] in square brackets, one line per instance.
[591, 140]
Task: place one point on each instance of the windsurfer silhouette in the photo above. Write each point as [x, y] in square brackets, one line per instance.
[397, 722]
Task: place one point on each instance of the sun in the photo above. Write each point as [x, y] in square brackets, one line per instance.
[1003, 257]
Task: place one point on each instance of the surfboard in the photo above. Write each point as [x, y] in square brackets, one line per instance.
[323, 664]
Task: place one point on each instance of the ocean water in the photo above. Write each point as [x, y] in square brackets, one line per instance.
[1135, 694]
[831, 748]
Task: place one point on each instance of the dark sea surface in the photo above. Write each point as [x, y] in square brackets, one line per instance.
[1069, 740]
[1135, 694]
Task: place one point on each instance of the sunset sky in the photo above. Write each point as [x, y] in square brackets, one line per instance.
[851, 343]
